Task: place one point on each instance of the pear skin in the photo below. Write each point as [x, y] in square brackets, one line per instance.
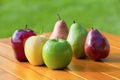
[60, 30]
[97, 46]
[76, 37]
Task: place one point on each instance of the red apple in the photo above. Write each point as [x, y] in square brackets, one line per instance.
[18, 40]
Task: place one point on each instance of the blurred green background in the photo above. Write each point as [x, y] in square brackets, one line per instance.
[101, 14]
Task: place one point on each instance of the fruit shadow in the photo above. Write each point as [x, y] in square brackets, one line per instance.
[113, 59]
[44, 66]
[87, 65]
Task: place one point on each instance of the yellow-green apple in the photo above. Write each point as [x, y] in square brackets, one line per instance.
[46, 34]
[33, 49]
[57, 53]
[18, 40]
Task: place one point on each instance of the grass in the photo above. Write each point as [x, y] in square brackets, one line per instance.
[101, 14]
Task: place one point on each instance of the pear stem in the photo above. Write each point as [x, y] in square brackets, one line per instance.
[26, 27]
[59, 18]
[74, 21]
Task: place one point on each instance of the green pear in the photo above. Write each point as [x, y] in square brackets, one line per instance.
[76, 37]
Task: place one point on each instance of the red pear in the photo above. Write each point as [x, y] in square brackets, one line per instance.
[96, 46]
[60, 30]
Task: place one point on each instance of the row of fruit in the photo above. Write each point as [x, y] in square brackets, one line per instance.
[57, 50]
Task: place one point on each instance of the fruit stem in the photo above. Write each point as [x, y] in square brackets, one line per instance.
[41, 30]
[26, 27]
[74, 21]
[92, 28]
[57, 38]
[59, 18]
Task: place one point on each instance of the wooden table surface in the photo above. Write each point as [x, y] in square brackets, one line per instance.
[79, 69]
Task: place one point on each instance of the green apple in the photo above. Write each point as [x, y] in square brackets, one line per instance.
[33, 49]
[57, 53]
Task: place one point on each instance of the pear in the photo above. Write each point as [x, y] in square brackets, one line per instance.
[76, 37]
[97, 46]
[60, 29]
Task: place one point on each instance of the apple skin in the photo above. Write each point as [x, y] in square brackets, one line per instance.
[57, 53]
[97, 46]
[33, 49]
[18, 40]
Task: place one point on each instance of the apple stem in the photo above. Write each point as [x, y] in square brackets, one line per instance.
[41, 30]
[92, 28]
[59, 18]
[74, 21]
[57, 38]
[26, 27]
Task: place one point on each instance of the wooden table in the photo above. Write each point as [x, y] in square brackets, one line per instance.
[79, 69]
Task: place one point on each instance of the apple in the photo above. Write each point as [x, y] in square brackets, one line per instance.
[57, 53]
[46, 34]
[18, 40]
[33, 49]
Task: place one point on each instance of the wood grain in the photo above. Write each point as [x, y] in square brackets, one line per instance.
[79, 69]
